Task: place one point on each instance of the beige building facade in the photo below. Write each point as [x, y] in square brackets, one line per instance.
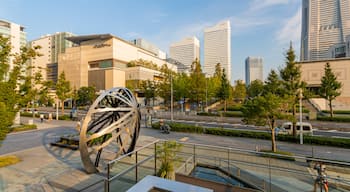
[313, 71]
[101, 61]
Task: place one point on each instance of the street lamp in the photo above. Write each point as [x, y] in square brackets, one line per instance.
[301, 115]
[171, 99]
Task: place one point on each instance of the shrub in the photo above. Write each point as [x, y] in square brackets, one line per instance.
[64, 117]
[232, 108]
[337, 111]
[179, 127]
[224, 114]
[286, 155]
[335, 119]
[8, 160]
[23, 128]
[27, 114]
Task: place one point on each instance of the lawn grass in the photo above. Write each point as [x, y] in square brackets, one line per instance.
[23, 128]
[8, 160]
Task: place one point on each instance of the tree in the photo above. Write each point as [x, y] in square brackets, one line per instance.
[86, 95]
[330, 87]
[181, 86]
[63, 89]
[197, 82]
[224, 90]
[167, 154]
[291, 76]
[149, 89]
[265, 109]
[255, 88]
[10, 80]
[273, 84]
[163, 87]
[239, 91]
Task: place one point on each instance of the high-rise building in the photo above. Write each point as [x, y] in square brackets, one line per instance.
[253, 69]
[185, 51]
[217, 48]
[16, 34]
[51, 46]
[325, 29]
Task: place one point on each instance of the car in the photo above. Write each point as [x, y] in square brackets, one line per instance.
[286, 128]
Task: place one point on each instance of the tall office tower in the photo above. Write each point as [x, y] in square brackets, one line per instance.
[253, 69]
[16, 34]
[217, 48]
[185, 51]
[325, 29]
[51, 46]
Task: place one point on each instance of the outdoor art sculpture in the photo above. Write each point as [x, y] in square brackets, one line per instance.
[112, 124]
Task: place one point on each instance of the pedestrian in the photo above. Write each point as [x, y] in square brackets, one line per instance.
[41, 118]
[321, 179]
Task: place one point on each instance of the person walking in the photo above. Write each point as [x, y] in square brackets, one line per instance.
[321, 179]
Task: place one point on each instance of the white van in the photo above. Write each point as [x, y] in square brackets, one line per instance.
[287, 128]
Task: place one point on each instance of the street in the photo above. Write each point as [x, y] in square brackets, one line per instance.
[26, 140]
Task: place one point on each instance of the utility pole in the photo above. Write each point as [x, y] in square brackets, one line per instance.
[301, 115]
[171, 99]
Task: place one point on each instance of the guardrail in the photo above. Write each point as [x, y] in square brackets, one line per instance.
[260, 169]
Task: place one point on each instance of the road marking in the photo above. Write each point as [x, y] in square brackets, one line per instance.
[332, 130]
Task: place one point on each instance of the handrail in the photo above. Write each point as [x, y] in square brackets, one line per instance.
[132, 152]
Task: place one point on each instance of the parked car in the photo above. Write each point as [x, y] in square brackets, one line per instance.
[286, 128]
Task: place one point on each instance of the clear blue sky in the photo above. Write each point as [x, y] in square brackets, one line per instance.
[259, 27]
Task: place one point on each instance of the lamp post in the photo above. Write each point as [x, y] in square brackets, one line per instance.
[301, 115]
[171, 99]
[57, 102]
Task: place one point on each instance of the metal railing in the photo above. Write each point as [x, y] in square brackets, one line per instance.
[261, 170]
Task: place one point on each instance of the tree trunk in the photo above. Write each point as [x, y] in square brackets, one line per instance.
[331, 108]
[225, 105]
[294, 122]
[62, 107]
[273, 139]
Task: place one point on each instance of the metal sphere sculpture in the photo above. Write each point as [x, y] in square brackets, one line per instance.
[114, 118]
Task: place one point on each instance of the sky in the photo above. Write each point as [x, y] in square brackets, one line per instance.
[261, 28]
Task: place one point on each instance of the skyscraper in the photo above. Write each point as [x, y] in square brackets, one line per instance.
[253, 69]
[217, 48]
[51, 46]
[16, 34]
[185, 51]
[325, 29]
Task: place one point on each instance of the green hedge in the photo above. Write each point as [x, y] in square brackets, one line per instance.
[329, 141]
[232, 108]
[23, 128]
[337, 111]
[179, 127]
[286, 155]
[224, 114]
[335, 119]
[62, 117]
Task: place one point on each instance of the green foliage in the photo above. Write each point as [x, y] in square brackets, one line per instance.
[167, 155]
[23, 128]
[330, 87]
[149, 89]
[8, 160]
[197, 82]
[239, 91]
[181, 86]
[179, 127]
[337, 111]
[11, 96]
[86, 95]
[143, 63]
[284, 155]
[224, 114]
[334, 119]
[291, 77]
[255, 88]
[63, 89]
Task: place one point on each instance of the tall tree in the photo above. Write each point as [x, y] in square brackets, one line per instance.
[265, 109]
[164, 86]
[224, 91]
[273, 84]
[10, 81]
[149, 89]
[255, 88]
[181, 86]
[63, 89]
[330, 87]
[197, 81]
[239, 91]
[86, 95]
[291, 76]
